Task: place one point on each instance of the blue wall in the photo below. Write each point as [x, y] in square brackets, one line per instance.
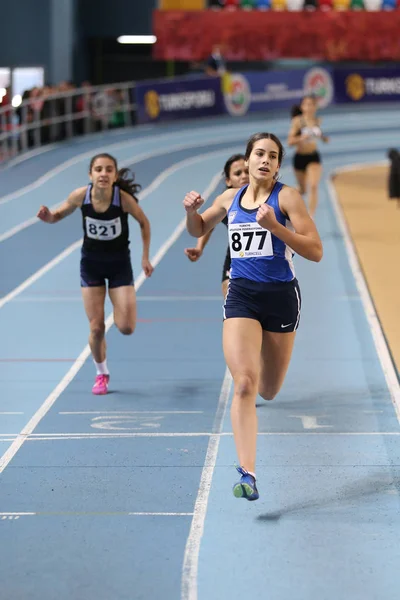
[24, 34]
[62, 39]
[38, 32]
[107, 19]
[111, 18]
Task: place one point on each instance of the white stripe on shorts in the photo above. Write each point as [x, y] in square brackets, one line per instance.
[226, 297]
[298, 308]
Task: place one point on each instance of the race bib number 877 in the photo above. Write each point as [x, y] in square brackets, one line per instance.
[248, 240]
[103, 230]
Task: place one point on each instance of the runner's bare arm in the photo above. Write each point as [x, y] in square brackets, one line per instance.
[199, 225]
[74, 201]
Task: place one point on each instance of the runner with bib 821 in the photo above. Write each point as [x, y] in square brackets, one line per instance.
[105, 204]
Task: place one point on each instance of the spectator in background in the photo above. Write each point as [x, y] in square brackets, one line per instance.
[25, 117]
[215, 65]
[394, 175]
[5, 99]
[48, 110]
[117, 119]
[61, 106]
[6, 123]
[104, 105]
[44, 116]
[83, 104]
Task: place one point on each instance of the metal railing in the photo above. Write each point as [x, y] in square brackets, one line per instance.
[47, 118]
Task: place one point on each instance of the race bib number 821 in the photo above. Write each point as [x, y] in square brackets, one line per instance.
[249, 240]
[103, 230]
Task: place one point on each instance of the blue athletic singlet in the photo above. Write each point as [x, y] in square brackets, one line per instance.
[256, 254]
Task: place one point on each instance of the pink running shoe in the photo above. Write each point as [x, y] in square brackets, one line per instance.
[101, 385]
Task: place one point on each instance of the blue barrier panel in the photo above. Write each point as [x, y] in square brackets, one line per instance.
[259, 91]
[178, 99]
[367, 85]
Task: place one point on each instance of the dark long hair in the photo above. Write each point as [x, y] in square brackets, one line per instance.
[229, 163]
[296, 111]
[265, 136]
[125, 177]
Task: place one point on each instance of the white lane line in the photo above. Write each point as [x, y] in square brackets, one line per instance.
[187, 162]
[88, 138]
[133, 412]
[33, 437]
[45, 269]
[21, 226]
[16, 514]
[160, 514]
[328, 433]
[179, 298]
[95, 514]
[192, 549]
[43, 437]
[60, 299]
[57, 299]
[50, 400]
[381, 345]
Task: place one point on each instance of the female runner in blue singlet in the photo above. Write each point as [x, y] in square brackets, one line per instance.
[262, 305]
[305, 132]
[105, 205]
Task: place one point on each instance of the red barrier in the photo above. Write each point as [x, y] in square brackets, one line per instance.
[332, 36]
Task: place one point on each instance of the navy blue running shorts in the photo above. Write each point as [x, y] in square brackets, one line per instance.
[276, 306]
[95, 272]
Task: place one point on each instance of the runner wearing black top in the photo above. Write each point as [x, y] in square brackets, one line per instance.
[105, 204]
